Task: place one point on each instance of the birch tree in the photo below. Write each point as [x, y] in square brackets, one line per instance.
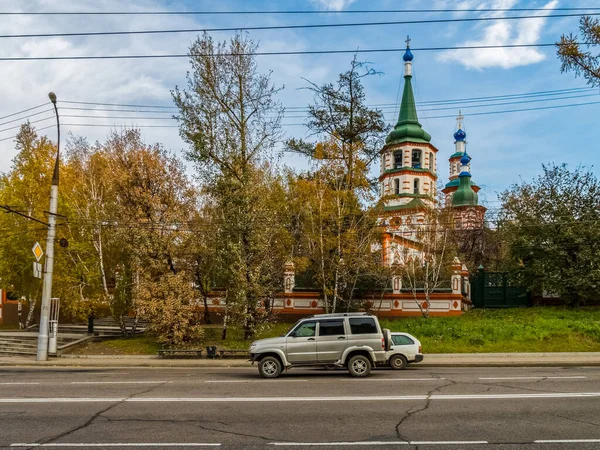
[230, 117]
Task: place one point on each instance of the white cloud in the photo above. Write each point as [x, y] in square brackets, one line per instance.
[527, 31]
[333, 5]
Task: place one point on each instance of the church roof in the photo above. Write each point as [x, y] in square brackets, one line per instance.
[408, 127]
[415, 203]
[456, 182]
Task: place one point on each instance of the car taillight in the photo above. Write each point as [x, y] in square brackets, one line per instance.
[383, 343]
[420, 351]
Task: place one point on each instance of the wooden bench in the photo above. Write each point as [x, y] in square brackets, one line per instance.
[233, 353]
[172, 352]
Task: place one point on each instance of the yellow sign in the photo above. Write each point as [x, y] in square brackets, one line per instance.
[37, 251]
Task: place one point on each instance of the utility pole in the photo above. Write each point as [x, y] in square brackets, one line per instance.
[42, 349]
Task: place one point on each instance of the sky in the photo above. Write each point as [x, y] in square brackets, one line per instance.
[505, 147]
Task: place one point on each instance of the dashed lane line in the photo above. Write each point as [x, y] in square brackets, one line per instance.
[255, 381]
[372, 443]
[534, 378]
[118, 444]
[391, 379]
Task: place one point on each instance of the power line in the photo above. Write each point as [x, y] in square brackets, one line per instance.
[279, 12]
[519, 110]
[38, 129]
[289, 27]
[24, 110]
[120, 104]
[289, 53]
[554, 92]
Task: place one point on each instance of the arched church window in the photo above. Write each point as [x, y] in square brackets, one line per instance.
[431, 162]
[396, 186]
[397, 159]
[416, 186]
[416, 158]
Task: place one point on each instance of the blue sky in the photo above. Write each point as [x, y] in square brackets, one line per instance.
[504, 147]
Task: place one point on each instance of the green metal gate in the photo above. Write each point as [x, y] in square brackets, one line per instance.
[497, 290]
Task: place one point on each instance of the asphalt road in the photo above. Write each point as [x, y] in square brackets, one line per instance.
[232, 408]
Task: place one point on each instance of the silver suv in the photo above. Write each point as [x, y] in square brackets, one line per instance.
[352, 340]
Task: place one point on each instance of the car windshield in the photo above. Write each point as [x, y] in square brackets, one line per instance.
[291, 328]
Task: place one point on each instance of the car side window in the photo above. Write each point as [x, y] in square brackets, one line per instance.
[402, 340]
[306, 329]
[331, 327]
[363, 325]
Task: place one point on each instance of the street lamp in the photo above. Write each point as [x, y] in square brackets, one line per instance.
[42, 349]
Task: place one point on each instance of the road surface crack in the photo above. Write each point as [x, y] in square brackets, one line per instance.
[412, 411]
[92, 419]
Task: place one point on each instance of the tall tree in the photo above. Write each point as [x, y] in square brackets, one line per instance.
[553, 230]
[340, 226]
[230, 117]
[575, 53]
[25, 189]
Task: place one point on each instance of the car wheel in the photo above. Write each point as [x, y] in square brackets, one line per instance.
[359, 366]
[269, 367]
[398, 362]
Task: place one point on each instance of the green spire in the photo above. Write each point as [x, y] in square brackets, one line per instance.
[408, 127]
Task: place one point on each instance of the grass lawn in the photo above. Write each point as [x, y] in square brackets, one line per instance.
[540, 329]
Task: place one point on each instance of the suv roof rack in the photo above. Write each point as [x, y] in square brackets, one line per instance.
[317, 316]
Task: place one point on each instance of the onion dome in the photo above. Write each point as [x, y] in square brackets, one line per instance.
[408, 56]
[465, 160]
[460, 135]
[464, 195]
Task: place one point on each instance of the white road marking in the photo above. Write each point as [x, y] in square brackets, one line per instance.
[115, 382]
[565, 441]
[374, 443]
[393, 379]
[447, 442]
[335, 444]
[253, 381]
[534, 378]
[118, 444]
[37, 383]
[363, 398]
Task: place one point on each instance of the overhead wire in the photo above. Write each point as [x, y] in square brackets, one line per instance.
[276, 53]
[291, 27]
[282, 12]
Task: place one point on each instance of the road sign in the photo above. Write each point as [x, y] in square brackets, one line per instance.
[37, 269]
[37, 251]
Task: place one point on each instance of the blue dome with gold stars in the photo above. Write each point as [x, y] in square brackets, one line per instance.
[460, 135]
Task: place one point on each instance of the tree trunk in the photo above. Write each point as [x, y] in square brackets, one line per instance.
[207, 320]
[30, 313]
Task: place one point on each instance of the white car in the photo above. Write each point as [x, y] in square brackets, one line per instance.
[406, 349]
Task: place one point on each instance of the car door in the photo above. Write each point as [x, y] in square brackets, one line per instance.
[405, 345]
[331, 340]
[301, 344]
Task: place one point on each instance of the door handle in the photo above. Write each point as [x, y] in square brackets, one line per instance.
[310, 339]
[342, 337]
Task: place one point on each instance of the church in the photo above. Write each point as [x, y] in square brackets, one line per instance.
[408, 190]
[408, 179]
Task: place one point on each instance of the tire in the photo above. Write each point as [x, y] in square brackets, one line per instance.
[269, 367]
[387, 339]
[398, 362]
[359, 366]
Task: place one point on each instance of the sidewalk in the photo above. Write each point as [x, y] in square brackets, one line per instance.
[431, 360]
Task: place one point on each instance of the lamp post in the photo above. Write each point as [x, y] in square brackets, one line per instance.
[42, 348]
